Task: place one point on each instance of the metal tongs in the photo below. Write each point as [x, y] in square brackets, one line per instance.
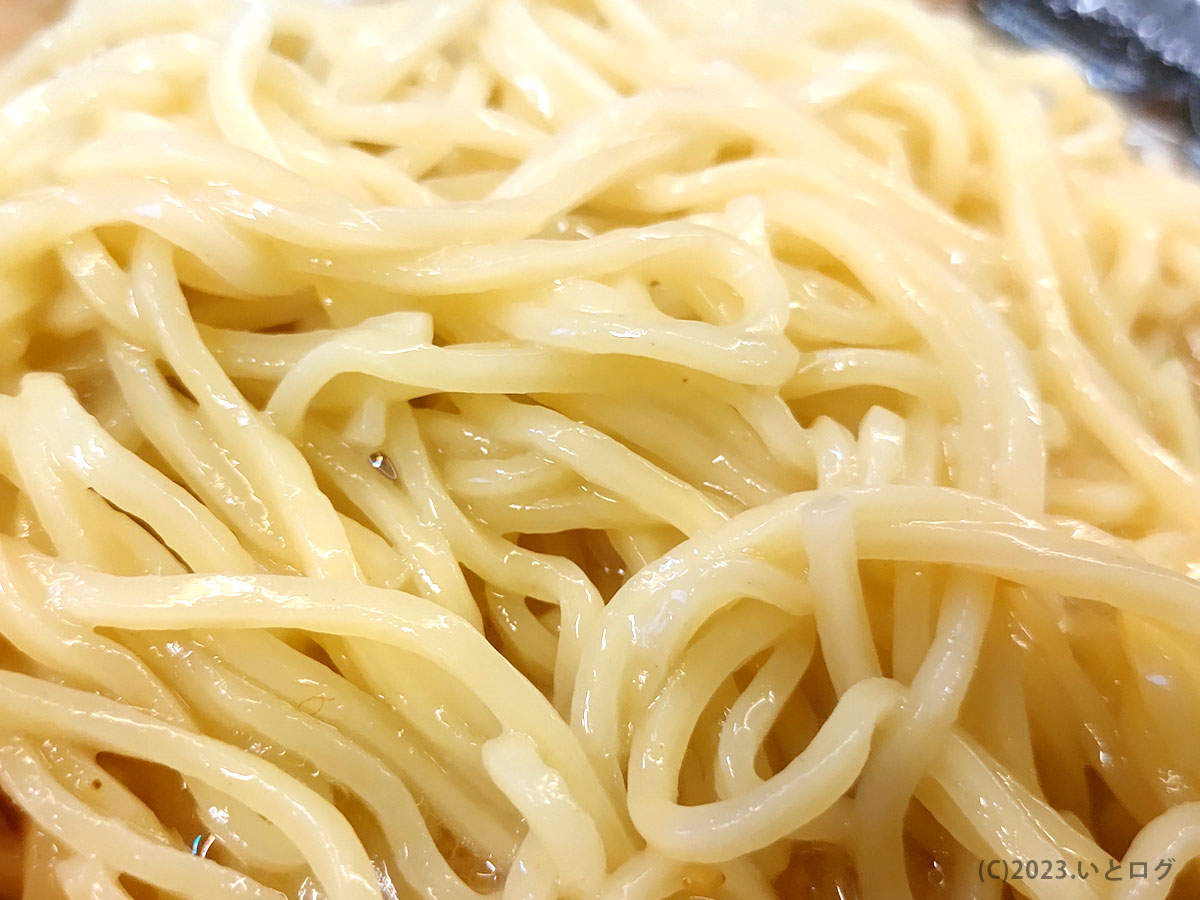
[1147, 50]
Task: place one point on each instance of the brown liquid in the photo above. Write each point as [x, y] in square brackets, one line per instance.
[21, 18]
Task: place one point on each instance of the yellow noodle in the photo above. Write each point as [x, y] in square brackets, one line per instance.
[616, 449]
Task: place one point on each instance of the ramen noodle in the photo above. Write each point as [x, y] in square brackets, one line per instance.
[589, 449]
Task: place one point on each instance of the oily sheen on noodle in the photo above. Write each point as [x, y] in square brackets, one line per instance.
[588, 450]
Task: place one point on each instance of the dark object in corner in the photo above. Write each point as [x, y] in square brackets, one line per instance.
[1147, 49]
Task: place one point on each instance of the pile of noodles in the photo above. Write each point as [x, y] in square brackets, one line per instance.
[588, 449]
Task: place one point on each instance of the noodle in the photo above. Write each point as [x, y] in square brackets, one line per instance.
[589, 449]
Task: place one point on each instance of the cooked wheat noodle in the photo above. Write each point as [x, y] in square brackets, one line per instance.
[588, 449]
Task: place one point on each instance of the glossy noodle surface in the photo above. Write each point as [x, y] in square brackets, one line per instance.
[624, 450]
